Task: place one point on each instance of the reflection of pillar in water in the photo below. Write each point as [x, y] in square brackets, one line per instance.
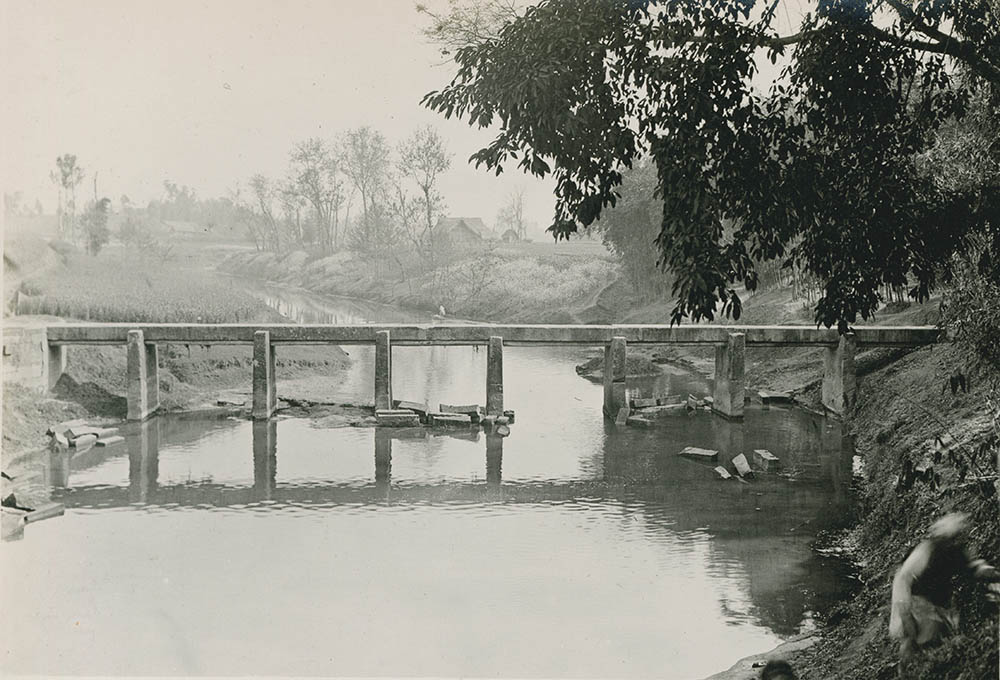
[143, 460]
[265, 458]
[838, 453]
[383, 462]
[494, 460]
[59, 468]
[728, 439]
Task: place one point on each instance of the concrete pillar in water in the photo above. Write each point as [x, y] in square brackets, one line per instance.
[383, 371]
[615, 396]
[265, 458]
[383, 461]
[494, 460]
[494, 376]
[264, 391]
[152, 377]
[143, 441]
[142, 375]
[55, 363]
[728, 394]
[839, 378]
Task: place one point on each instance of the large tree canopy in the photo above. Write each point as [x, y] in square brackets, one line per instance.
[826, 159]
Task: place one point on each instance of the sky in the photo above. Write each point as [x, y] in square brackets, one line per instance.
[207, 94]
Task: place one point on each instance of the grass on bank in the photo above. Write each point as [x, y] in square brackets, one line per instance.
[120, 285]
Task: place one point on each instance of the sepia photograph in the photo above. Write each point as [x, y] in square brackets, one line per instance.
[569, 339]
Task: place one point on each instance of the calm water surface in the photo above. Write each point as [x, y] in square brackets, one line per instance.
[570, 549]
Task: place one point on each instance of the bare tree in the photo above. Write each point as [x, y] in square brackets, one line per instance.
[511, 215]
[423, 158]
[264, 194]
[67, 176]
[468, 22]
[315, 175]
[366, 163]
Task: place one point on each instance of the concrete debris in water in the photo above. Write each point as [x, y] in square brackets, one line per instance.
[765, 460]
[742, 466]
[695, 452]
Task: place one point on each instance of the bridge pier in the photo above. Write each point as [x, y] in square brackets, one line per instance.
[615, 393]
[265, 459]
[143, 460]
[55, 365]
[494, 376]
[265, 394]
[494, 462]
[383, 370]
[143, 377]
[839, 377]
[728, 393]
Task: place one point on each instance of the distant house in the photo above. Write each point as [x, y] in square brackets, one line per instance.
[510, 236]
[463, 230]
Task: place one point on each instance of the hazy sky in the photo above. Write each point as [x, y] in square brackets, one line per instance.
[208, 93]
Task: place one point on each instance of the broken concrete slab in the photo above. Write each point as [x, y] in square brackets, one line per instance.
[622, 417]
[765, 460]
[224, 401]
[742, 466]
[105, 432]
[421, 409]
[643, 403]
[503, 430]
[509, 414]
[696, 452]
[396, 418]
[449, 419]
[65, 425]
[83, 441]
[722, 472]
[45, 512]
[474, 411]
[79, 430]
[108, 441]
[667, 399]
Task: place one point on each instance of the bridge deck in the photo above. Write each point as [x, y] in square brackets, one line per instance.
[479, 334]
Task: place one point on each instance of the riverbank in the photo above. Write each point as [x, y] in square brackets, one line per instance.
[499, 283]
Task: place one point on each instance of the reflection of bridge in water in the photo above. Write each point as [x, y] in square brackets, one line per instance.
[760, 530]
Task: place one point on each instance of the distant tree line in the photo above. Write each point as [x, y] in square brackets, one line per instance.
[354, 191]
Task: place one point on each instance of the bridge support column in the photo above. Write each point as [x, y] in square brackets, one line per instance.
[383, 371]
[839, 378]
[383, 461]
[615, 393]
[728, 394]
[494, 376]
[55, 358]
[142, 372]
[494, 461]
[265, 459]
[265, 394]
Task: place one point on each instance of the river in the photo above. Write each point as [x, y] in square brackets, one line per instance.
[571, 548]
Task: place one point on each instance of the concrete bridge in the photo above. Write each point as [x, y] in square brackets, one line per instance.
[730, 344]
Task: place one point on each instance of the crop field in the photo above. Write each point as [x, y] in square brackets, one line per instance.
[113, 287]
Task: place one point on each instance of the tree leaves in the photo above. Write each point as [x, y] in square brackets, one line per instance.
[826, 159]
